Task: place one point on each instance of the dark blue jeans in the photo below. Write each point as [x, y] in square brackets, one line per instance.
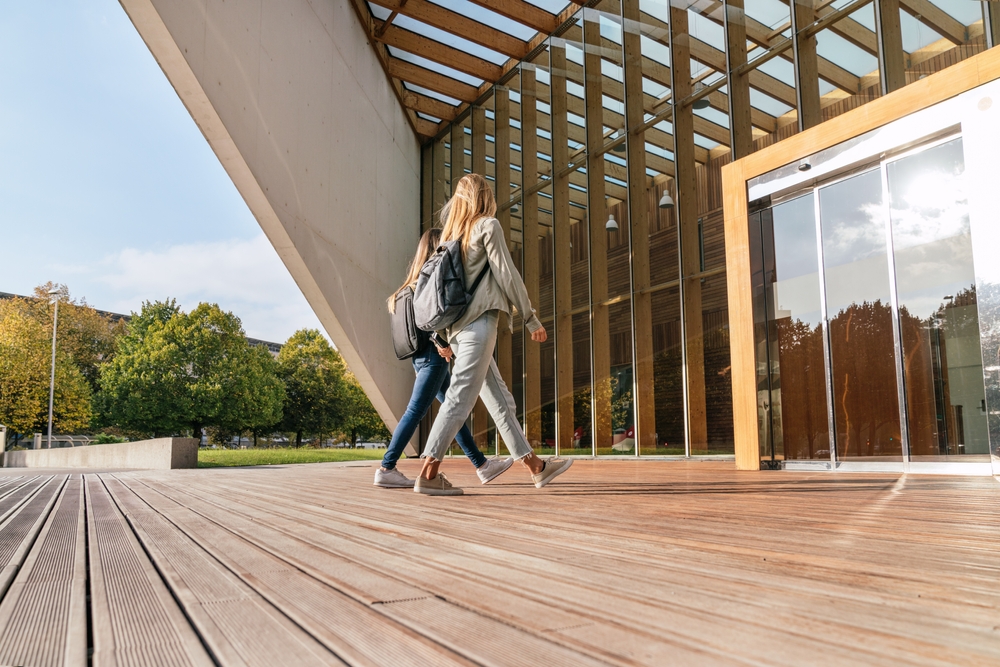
[433, 379]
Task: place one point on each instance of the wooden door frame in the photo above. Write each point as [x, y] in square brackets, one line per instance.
[955, 80]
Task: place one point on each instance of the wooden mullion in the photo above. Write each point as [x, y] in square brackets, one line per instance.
[563, 329]
[638, 210]
[738, 85]
[501, 142]
[806, 73]
[597, 211]
[891, 61]
[529, 248]
[686, 207]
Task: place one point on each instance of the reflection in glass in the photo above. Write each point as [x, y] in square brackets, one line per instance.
[862, 350]
[939, 322]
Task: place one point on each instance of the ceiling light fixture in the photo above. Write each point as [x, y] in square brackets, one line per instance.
[666, 201]
[612, 225]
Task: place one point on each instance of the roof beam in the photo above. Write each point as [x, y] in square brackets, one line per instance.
[935, 18]
[458, 25]
[421, 76]
[524, 13]
[428, 105]
[443, 54]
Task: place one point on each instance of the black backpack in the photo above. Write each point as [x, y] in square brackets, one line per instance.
[440, 299]
[407, 339]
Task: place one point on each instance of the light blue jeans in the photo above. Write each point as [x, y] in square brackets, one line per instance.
[475, 374]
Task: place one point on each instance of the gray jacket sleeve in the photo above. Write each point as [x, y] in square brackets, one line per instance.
[506, 273]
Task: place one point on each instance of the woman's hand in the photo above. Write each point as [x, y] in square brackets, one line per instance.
[539, 335]
[446, 353]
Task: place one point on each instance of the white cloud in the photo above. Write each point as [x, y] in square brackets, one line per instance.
[244, 276]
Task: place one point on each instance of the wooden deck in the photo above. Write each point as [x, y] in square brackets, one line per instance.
[618, 563]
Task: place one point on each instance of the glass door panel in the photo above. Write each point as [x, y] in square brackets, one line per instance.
[859, 312]
[938, 316]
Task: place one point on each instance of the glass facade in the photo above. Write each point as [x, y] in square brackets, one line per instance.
[605, 146]
[874, 314]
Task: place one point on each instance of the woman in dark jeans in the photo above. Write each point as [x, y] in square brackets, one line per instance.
[433, 379]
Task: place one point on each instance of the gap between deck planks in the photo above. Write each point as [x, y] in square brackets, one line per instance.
[623, 563]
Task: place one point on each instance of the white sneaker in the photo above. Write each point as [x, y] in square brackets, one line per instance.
[392, 479]
[493, 468]
[553, 468]
[439, 486]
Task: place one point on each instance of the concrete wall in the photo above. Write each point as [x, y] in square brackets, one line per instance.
[292, 99]
[158, 454]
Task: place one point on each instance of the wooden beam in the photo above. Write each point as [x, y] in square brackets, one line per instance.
[425, 127]
[686, 207]
[529, 249]
[638, 209]
[461, 26]
[524, 13]
[937, 19]
[806, 72]
[442, 54]
[563, 258]
[439, 83]
[891, 59]
[599, 322]
[740, 123]
[428, 105]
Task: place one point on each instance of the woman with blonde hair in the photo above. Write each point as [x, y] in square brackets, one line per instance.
[469, 217]
[431, 368]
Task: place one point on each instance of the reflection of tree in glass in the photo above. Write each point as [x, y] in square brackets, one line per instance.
[805, 431]
[866, 404]
[930, 414]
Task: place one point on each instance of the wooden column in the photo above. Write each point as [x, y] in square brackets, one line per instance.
[891, 60]
[806, 65]
[596, 215]
[991, 21]
[529, 218]
[738, 85]
[480, 416]
[501, 111]
[563, 329]
[687, 216]
[440, 188]
[638, 208]
[426, 187]
[457, 155]
[479, 141]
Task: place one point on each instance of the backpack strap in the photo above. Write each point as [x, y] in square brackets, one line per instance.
[479, 278]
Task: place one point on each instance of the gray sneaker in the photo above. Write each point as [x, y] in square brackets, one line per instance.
[493, 468]
[392, 479]
[553, 468]
[439, 486]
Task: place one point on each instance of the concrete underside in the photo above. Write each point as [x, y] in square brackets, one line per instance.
[292, 99]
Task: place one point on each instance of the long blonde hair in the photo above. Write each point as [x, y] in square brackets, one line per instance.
[472, 201]
[426, 246]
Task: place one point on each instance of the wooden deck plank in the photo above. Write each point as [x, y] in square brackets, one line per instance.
[135, 620]
[21, 526]
[236, 624]
[709, 489]
[43, 616]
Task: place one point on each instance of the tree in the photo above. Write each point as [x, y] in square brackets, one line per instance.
[313, 373]
[25, 362]
[173, 372]
[360, 420]
[86, 336]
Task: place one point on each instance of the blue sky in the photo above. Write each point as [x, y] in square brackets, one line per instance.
[107, 185]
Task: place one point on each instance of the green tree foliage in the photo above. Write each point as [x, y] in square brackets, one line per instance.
[25, 363]
[313, 373]
[361, 423]
[175, 372]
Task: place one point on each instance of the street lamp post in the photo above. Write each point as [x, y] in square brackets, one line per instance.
[52, 376]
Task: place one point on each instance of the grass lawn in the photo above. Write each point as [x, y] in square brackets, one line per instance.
[216, 458]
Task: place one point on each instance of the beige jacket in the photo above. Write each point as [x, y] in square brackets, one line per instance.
[501, 287]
